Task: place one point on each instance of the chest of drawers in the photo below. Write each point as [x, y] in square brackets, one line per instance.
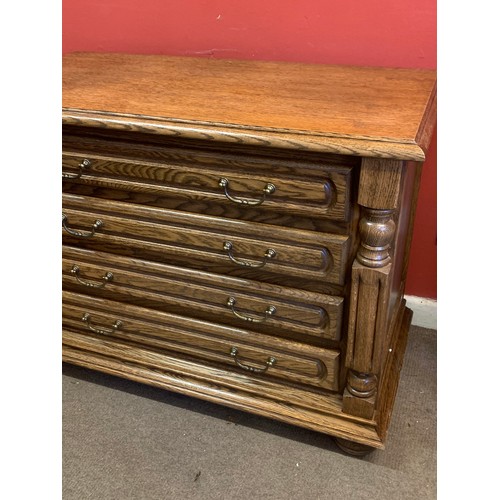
[239, 231]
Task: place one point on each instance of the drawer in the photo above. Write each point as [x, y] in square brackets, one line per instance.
[266, 308]
[270, 184]
[221, 245]
[239, 349]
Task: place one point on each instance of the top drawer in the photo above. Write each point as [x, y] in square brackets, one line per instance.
[290, 186]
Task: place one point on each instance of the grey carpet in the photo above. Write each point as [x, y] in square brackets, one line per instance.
[124, 440]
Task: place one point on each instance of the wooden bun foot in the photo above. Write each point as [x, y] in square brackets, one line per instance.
[352, 448]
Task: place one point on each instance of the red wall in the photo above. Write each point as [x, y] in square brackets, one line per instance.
[397, 33]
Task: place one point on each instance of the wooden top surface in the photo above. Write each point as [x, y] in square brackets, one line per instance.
[350, 110]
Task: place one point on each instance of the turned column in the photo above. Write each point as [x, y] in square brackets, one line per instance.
[379, 188]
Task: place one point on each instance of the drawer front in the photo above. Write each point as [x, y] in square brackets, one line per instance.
[221, 245]
[271, 184]
[270, 309]
[239, 349]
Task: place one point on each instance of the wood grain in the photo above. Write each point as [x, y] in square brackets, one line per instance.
[131, 192]
[367, 317]
[209, 341]
[205, 295]
[226, 137]
[389, 380]
[379, 183]
[194, 174]
[298, 253]
[184, 95]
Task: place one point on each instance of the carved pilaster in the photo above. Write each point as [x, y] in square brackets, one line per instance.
[366, 331]
[370, 288]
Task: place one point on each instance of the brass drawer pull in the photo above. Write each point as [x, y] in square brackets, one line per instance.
[271, 361]
[115, 326]
[268, 189]
[83, 165]
[97, 224]
[75, 271]
[231, 302]
[228, 247]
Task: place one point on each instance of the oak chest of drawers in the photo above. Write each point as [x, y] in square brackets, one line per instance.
[239, 231]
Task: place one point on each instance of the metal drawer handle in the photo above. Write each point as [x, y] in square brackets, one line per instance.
[231, 302]
[228, 247]
[117, 324]
[271, 361]
[83, 165]
[97, 224]
[75, 271]
[268, 189]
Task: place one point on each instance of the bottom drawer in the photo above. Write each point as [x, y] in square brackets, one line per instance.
[246, 351]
